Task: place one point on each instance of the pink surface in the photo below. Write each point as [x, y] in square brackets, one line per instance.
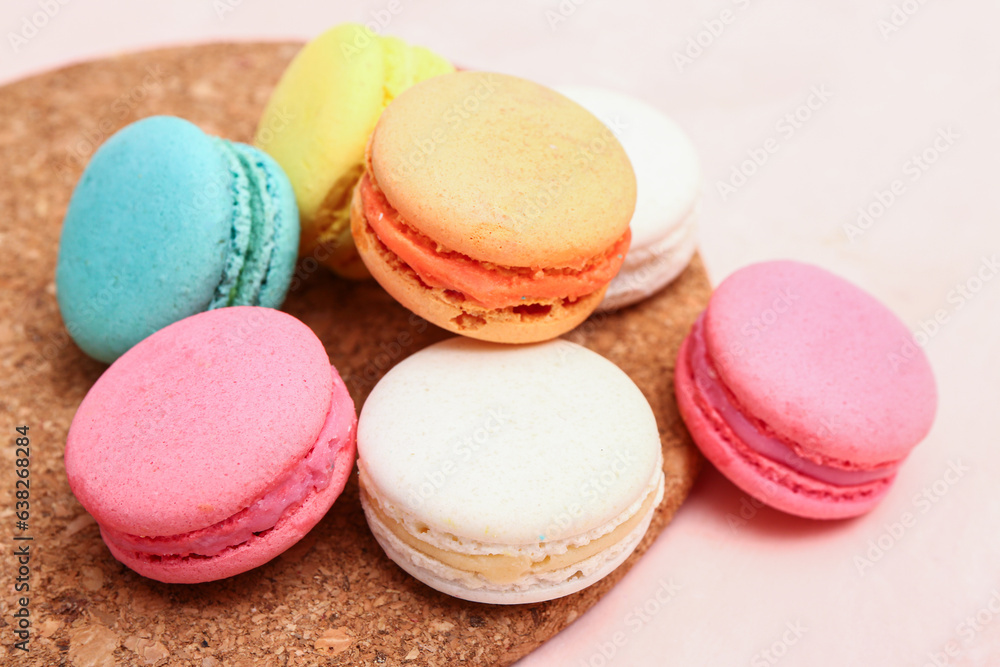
[784, 483]
[731, 582]
[821, 363]
[226, 434]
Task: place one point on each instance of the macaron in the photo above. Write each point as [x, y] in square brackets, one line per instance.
[668, 185]
[493, 207]
[508, 474]
[213, 445]
[319, 118]
[165, 222]
[793, 383]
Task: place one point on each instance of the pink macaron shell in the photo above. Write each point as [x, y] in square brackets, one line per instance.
[823, 364]
[198, 420]
[290, 528]
[768, 481]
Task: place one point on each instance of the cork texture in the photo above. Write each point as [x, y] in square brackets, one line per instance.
[333, 598]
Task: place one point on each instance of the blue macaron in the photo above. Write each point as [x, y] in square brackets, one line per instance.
[166, 222]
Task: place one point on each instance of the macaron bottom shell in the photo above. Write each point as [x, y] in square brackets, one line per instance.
[765, 479]
[471, 587]
[451, 311]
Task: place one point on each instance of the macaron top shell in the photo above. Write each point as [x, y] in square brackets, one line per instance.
[666, 164]
[814, 358]
[503, 170]
[250, 389]
[173, 261]
[508, 445]
[165, 222]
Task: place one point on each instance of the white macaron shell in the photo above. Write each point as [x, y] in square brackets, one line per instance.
[666, 165]
[507, 445]
[649, 269]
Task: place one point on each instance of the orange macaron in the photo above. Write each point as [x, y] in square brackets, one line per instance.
[493, 206]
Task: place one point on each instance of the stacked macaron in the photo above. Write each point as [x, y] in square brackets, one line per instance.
[493, 207]
[528, 487]
[788, 385]
[213, 445]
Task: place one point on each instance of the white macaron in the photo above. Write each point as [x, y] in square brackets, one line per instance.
[508, 474]
[668, 182]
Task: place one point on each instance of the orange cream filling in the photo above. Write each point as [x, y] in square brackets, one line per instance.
[488, 285]
[507, 569]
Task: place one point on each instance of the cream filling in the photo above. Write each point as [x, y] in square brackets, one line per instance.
[507, 568]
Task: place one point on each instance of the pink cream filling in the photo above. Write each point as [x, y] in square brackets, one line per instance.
[312, 473]
[710, 386]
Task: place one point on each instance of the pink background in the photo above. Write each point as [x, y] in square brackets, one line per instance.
[726, 581]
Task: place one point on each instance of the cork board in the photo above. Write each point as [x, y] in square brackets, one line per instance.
[332, 599]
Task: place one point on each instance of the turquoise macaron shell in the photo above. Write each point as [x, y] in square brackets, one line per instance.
[274, 231]
[166, 222]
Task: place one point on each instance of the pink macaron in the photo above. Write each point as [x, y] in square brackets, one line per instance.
[804, 390]
[213, 445]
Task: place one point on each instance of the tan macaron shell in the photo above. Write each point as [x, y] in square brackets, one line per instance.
[503, 170]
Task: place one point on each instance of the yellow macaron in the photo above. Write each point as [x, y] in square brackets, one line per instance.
[318, 121]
